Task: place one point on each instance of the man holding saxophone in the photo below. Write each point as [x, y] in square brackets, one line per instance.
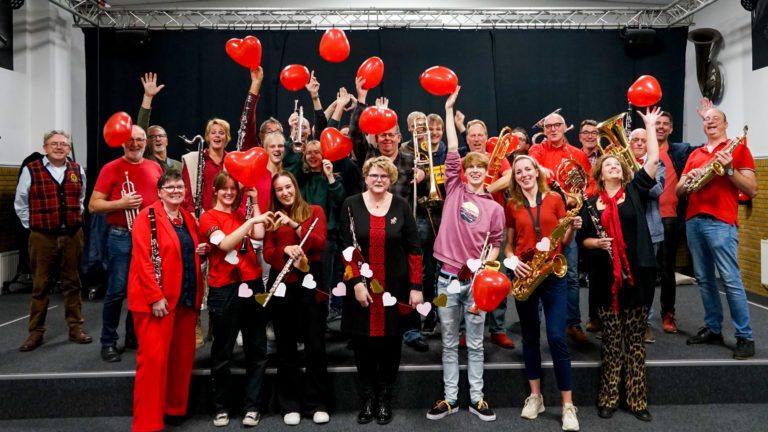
[711, 227]
[124, 186]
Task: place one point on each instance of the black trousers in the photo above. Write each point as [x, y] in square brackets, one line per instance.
[377, 360]
[666, 257]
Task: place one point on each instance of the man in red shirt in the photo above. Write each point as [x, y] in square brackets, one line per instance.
[711, 224]
[550, 154]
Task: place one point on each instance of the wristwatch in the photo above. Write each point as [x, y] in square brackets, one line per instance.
[729, 172]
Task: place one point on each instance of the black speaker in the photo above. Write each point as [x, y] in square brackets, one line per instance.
[132, 39]
[639, 42]
[6, 35]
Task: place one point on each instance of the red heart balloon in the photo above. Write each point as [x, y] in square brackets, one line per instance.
[246, 166]
[246, 52]
[334, 145]
[489, 288]
[294, 77]
[439, 80]
[372, 70]
[117, 129]
[645, 92]
[334, 46]
[376, 120]
[490, 145]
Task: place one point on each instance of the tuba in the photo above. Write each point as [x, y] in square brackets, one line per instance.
[713, 167]
[708, 73]
[618, 145]
[545, 262]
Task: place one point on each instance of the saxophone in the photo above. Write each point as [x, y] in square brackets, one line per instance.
[713, 167]
[544, 263]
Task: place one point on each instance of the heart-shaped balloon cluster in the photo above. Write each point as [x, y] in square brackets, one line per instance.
[334, 46]
[645, 92]
[376, 120]
[246, 166]
[439, 80]
[117, 129]
[246, 51]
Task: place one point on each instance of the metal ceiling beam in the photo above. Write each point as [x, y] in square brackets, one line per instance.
[91, 14]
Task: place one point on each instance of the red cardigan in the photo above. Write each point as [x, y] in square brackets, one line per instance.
[143, 289]
[276, 241]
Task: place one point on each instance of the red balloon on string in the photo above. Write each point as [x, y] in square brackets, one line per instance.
[439, 80]
[645, 92]
[372, 70]
[334, 46]
[376, 120]
[246, 166]
[334, 145]
[246, 52]
[294, 77]
[489, 288]
[117, 130]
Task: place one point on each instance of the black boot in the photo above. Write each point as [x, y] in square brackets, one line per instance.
[384, 415]
[366, 410]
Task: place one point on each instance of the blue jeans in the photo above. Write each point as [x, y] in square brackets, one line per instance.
[715, 242]
[118, 262]
[552, 294]
[571, 252]
[450, 318]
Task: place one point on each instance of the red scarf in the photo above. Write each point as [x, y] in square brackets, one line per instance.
[612, 225]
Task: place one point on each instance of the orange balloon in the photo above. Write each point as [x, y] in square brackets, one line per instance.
[117, 129]
[334, 46]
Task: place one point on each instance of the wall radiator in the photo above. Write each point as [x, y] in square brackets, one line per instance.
[9, 264]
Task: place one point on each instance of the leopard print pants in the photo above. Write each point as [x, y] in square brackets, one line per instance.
[623, 348]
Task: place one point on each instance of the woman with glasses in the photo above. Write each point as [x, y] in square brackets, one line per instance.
[234, 276]
[380, 248]
[165, 290]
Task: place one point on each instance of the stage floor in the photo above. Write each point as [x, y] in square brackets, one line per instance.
[57, 357]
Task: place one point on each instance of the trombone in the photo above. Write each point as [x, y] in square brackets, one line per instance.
[129, 188]
[423, 142]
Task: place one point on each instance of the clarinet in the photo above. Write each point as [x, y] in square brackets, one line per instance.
[354, 239]
[198, 198]
[287, 267]
[596, 221]
[239, 146]
[155, 251]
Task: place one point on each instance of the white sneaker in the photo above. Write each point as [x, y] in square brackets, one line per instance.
[534, 405]
[292, 418]
[221, 419]
[239, 339]
[570, 422]
[321, 417]
[270, 331]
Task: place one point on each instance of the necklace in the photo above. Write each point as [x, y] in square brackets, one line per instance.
[177, 221]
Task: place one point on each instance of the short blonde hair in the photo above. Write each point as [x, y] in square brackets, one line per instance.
[435, 119]
[474, 158]
[477, 122]
[381, 162]
[217, 121]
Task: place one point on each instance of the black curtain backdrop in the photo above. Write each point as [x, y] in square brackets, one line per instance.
[508, 77]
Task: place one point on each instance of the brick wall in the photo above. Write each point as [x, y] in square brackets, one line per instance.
[9, 224]
[753, 226]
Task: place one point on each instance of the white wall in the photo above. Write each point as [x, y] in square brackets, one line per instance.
[745, 91]
[46, 89]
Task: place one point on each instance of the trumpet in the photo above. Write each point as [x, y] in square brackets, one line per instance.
[130, 213]
[300, 110]
[499, 153]
[485, 252]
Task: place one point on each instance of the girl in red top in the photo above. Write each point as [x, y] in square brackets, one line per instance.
[532, 213]
[297, 315]
[234, 277]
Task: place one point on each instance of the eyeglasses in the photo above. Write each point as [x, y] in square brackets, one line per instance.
[137, 140]
[388, 135]
[590, 133]
[552, 126]
[173, 188]
[380, 177]
[158, 136]
[59, 144]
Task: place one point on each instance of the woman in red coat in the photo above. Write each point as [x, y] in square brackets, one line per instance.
[165, 291]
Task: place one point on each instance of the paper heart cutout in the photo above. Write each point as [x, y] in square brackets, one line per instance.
[347, 254]
[454, 287]
[376, 287]
[365, 271]
[261, 298]
[232, 257]
[441, 300]
[216, 238]
[348, 273]
[340, 290]
[511, 262]
[280, 290]
[388, 299]
[424, 308]
[543, 245]
[309, 282]
[246, 52]
[302, 264]
[243, 291]
[474, 264]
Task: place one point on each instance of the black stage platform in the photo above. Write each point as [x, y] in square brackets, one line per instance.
[42, 383]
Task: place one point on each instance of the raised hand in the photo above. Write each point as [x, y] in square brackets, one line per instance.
[149, 81]
[451, 101]
[313, 86]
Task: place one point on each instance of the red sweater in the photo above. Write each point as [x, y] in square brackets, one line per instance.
[276, 241]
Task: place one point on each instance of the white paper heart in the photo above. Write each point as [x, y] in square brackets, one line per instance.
[424, 308]
[543, 244]
[340, 290]
[511, 262]
[365, 271]
[280, 290]
[232, 257]
[243, 291]
[309, 281]
[454, 287]
[474, 264]
[388, 299]
[348, 253]
[216, 238]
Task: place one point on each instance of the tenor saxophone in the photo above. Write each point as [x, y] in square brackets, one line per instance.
[713, 167]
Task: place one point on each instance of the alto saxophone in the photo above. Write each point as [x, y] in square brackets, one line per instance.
[544, 263]
[713, 167]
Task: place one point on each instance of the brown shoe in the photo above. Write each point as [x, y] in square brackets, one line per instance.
[79, 336]
[576, 334]
[502, 340]
[34, 340]
[199, 341]
[594, 326]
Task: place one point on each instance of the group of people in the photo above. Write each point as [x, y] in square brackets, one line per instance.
[370, 225]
